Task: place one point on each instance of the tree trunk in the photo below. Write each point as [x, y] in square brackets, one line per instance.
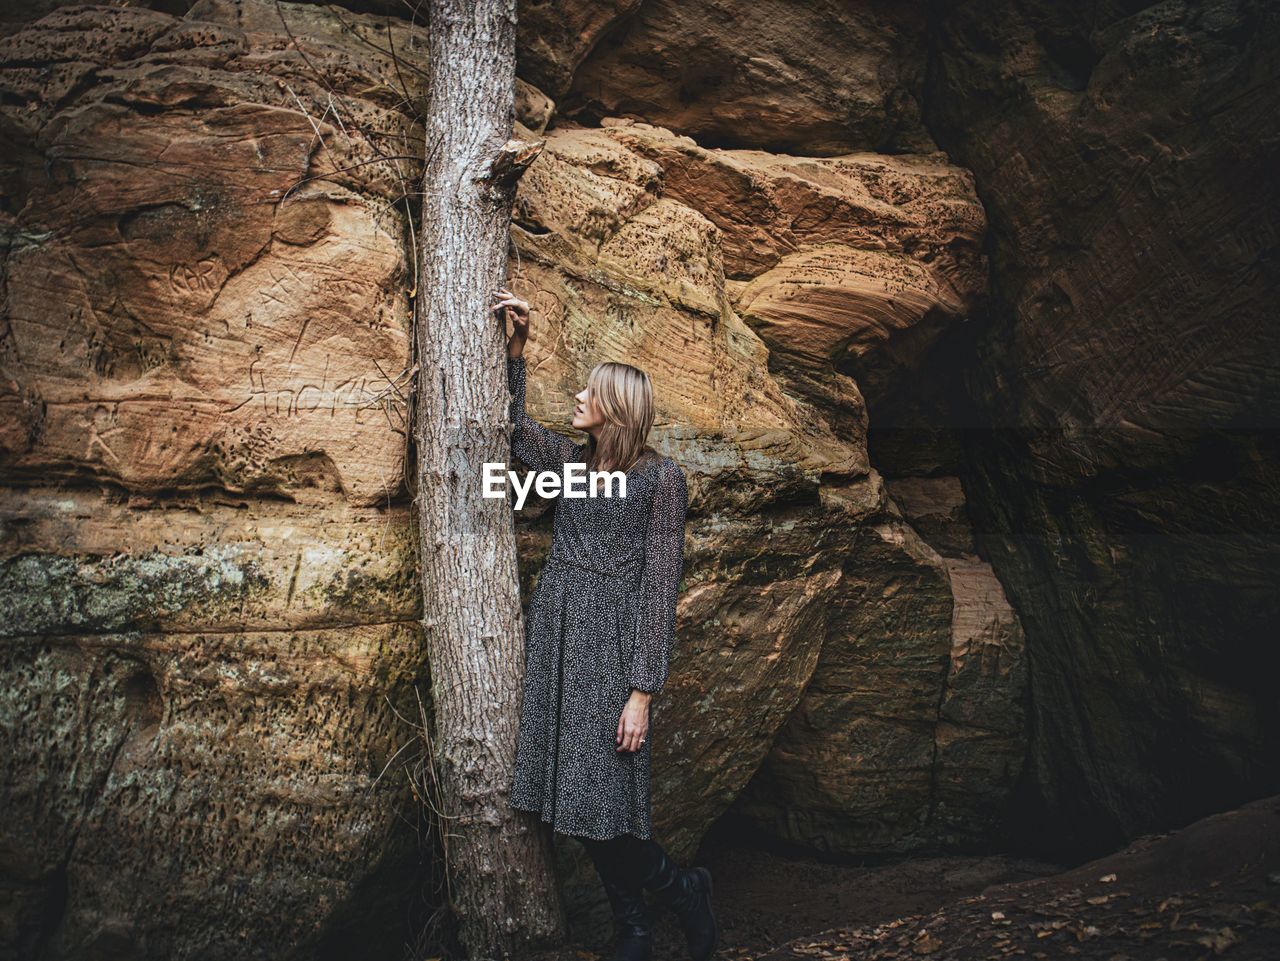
[499, 862]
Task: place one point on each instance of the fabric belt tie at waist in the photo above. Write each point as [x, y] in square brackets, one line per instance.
[629, 569]
[631, 565]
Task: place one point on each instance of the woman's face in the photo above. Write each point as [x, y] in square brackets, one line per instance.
[586, 416]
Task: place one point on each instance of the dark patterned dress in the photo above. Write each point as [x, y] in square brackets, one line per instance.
[601, 621]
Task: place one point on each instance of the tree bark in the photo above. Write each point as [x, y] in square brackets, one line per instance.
[504, 890]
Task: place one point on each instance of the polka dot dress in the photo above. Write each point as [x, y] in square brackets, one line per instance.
[601, 621]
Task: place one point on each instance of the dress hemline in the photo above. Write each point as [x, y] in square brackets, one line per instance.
[545, 820]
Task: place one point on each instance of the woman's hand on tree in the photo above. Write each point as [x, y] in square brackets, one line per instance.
[510, 307]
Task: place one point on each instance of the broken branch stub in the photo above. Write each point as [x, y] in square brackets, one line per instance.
[510, 163]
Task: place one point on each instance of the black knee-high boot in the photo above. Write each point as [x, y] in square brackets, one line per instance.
[633, 926]
[685, 891]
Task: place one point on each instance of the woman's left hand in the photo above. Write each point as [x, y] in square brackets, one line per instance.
[633, 725]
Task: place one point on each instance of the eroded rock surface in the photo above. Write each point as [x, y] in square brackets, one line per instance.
[802, 574]
[206, 574]
[814, 78]
[237, 335]
[1125, 484]
[206, 351]
[208, 595]
[200, 696]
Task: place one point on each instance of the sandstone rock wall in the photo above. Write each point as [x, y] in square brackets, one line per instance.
[208, 349]
[825, 259]
[817, 78]
[206, 562]
[208, 599]
[1124, 485]
[206, 541]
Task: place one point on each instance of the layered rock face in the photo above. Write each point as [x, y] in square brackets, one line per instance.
[826, 259]
[208, 596]
[818, 78]
[913, 709]
[214, 366]
[206, 561]
[1126, 490]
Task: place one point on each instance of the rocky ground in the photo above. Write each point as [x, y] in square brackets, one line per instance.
[1209, 889]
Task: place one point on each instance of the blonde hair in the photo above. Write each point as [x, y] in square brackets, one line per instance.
[624, 396]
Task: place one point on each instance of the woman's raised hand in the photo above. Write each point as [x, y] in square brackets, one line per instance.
[510, 307]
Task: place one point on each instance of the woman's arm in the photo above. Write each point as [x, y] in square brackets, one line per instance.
[655, 625]
[540, 448]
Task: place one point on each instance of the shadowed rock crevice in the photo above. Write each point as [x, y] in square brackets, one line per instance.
[1123, 483]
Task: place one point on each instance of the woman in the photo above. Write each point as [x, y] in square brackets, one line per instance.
[600, 626]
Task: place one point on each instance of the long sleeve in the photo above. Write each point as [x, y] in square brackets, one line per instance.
[537, 446]
[655, 624]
